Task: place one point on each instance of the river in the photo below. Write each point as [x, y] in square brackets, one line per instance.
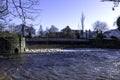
[67, 64]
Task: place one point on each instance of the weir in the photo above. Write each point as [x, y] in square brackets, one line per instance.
[72, 43]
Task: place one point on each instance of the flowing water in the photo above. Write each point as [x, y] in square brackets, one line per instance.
[69, 64]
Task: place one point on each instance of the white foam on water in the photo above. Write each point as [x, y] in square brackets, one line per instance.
[62, 50]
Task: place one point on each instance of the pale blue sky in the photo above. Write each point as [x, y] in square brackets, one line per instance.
[68, 12]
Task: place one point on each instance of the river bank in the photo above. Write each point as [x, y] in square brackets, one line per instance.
[73, 43]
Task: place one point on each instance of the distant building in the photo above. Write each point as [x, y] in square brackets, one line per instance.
[93, 34]
[66, 29]
[59, 34]
[76, 33]
[68, 33]
[115, 33]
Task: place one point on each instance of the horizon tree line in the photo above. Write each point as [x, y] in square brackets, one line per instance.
[30, 31]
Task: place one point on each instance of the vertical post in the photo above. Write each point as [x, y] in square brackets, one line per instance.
[89, 33]
[22, 30]
[21, 36]
[86, 34]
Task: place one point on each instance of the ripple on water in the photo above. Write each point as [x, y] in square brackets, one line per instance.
[72, 64]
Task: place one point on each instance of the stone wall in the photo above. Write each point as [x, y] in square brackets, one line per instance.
[23, 45]
[11, 45]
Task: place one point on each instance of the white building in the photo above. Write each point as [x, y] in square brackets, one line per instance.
[112, 33]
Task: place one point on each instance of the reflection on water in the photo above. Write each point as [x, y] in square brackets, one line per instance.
[74, 64]
[8, 66]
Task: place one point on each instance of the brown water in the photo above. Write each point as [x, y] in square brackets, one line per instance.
[73, 64]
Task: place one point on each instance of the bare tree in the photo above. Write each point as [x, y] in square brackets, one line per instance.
[30, 31]
[2, 26]
[22, 9]
[40, 32]
[100, 26]
[11, 28]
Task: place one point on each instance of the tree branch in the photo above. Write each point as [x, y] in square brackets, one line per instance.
[6, 7]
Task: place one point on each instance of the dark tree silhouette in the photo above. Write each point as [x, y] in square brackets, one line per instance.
[2, 26]
[118, 23]
[40, 31]
[30, 31]
[100, 26]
